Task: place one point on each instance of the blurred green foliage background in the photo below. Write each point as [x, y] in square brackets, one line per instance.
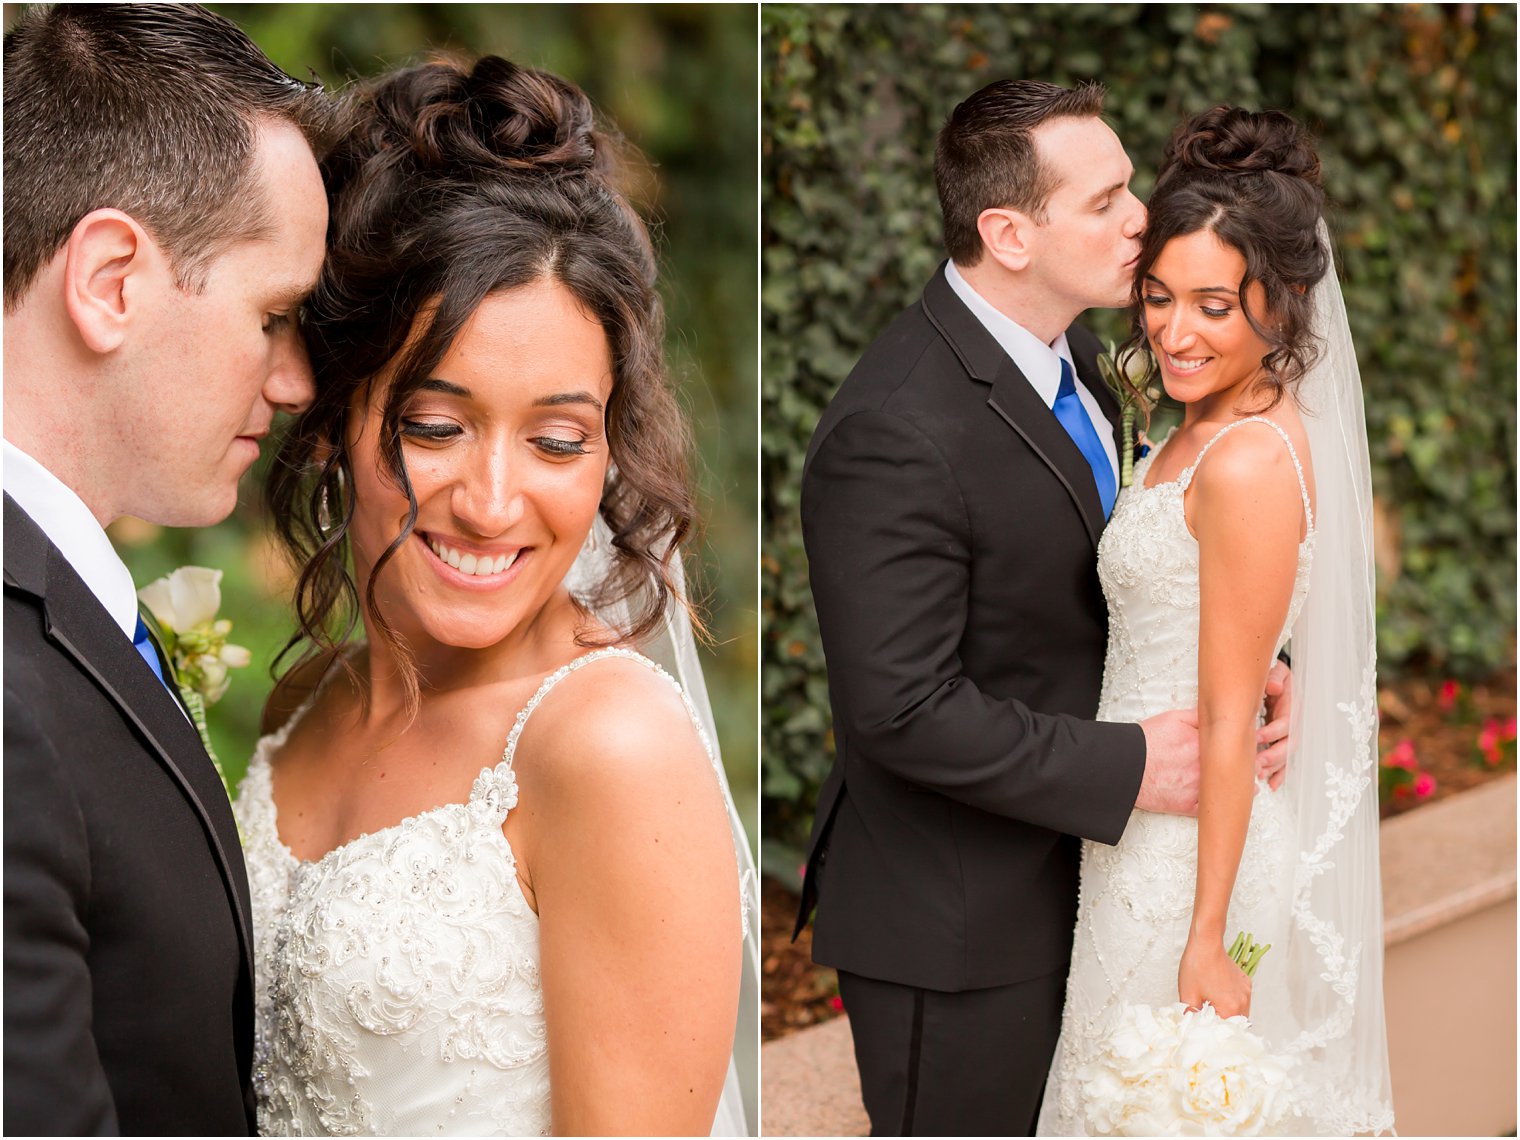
[1414, 107]
[680, 83]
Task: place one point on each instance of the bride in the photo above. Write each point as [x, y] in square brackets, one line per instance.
[498, 883]
[1248, 529]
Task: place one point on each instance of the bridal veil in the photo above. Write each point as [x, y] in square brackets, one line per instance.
[1334, 950]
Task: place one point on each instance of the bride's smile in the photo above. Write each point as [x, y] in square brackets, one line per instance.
[486, 564]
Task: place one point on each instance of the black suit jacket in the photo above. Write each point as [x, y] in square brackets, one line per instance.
[951, 529]
[128, 957]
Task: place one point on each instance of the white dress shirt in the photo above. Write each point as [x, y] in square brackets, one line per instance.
[1039, 362]
[71, 527]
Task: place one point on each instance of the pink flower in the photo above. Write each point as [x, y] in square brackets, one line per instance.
[1402, 756]
[1424, 785]
[1450, 691]
[1489, 740]
[836, 1003]
[1509, 729]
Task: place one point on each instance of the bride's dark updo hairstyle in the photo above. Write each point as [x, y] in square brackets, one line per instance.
[1252, 179]
[455, 182]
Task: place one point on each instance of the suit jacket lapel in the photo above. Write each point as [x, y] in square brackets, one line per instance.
[1015, 400]
[76, 622]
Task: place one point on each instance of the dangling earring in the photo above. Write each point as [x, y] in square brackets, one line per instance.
[324, 504]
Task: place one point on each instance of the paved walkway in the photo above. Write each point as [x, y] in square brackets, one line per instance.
[809, 1086]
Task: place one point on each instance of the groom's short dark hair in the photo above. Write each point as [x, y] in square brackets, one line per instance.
[985, 157]
[146, 108]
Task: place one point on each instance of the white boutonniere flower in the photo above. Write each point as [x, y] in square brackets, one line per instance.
[1127, 375]
[181, 614]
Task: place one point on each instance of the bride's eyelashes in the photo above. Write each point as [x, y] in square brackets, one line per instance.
[432, 431]
[442, 431]
[562, 448]
[1156, 301]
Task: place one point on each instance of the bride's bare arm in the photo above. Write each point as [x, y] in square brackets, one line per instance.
[1245, 508]
[627, 851]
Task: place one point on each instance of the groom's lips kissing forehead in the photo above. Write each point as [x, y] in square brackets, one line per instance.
[472, 565]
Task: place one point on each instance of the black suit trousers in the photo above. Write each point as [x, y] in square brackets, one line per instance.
[971, 1063]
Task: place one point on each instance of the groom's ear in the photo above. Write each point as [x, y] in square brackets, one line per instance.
[110, 267]
[1005, 236]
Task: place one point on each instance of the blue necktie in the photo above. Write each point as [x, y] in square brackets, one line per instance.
[1074, 418]
[143, 643]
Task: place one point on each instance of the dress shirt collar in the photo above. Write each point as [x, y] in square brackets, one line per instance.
[70, 526]
[1039, 362]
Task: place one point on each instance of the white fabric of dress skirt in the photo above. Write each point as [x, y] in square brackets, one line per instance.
[1136, 899]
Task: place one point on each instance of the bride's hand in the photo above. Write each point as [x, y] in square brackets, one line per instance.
[1208, 975]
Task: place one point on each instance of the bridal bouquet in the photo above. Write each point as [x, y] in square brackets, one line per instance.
[1179, 1072]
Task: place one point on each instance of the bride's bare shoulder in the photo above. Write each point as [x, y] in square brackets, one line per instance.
[1249, 475]
[616, 725]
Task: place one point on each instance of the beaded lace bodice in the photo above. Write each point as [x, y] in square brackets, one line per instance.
[1148, 564]
[397, 987]
[1136, 897]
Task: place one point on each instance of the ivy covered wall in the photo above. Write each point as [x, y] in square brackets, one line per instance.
[1414, 107]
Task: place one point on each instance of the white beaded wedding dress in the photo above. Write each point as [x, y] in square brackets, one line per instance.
[1309, 880]
[397, 978]
[1137, 897]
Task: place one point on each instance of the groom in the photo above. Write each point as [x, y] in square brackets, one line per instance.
[164, 215]
[953, 497]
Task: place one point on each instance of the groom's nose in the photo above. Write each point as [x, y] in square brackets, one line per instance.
[290, 385]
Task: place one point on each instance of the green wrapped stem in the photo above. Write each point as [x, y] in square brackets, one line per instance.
[196, 704]
[1247, 953]
[1127, 452]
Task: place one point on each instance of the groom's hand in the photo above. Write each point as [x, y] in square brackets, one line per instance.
[1272, 738]
[1170, 783]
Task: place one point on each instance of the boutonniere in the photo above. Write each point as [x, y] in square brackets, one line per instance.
[180, 612]
[1126, 374]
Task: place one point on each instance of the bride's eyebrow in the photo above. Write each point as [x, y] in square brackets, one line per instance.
[1222, 289]
[567, 398]
[449, 388]
[433, 384]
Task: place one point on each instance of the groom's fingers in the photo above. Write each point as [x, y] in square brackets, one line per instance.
[1272, 760]
[1273, 734]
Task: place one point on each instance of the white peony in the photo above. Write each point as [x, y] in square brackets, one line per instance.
[1172, 1072]
[185, 599]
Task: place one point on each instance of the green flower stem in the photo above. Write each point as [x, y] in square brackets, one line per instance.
[1127, 452]
[197, 706]
[1255, 960]
[1246, 953]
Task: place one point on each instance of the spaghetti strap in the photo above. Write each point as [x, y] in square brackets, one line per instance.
[1186, 477]
[504, 767]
